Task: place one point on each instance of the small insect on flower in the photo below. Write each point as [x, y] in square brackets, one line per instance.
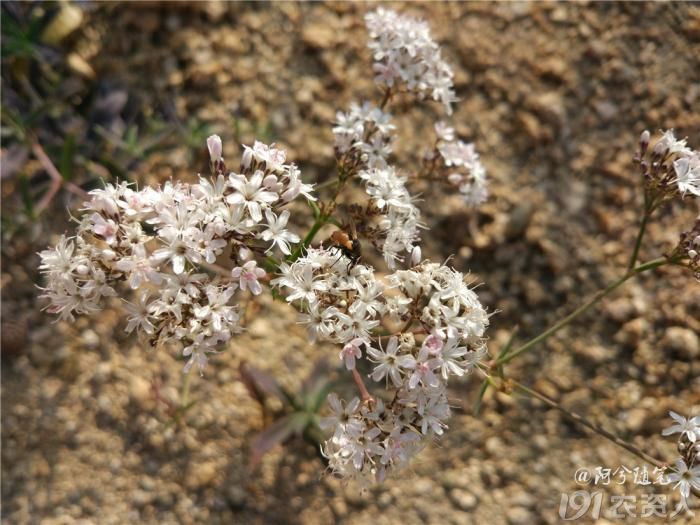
[347, 244]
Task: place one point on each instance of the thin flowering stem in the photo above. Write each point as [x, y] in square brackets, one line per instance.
[583, 421]
[640, 235]
[319, 223]
[326, 184]
[529, 345]
[385, 100]
[364, 393]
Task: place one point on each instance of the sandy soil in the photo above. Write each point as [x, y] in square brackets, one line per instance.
[554, 95]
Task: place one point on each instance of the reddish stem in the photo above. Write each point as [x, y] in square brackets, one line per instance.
[56, 180]
[364, 393]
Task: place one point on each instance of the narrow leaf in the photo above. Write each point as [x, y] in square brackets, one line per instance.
[479, 399]
[276, 434]
[315, 385]
[27, 198]
[260, 384]
[67, 154]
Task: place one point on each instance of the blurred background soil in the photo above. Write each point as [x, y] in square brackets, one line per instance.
[554, 95]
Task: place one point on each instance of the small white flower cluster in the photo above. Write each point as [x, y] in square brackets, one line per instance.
[364, 132]
[185, 226]
[686, 162]
[689, 247]
[344, 304]
[363, 140]
[404, 52]
[687, 468]
[461, 162]
[453, 308]
[399, 222]
[341, 302]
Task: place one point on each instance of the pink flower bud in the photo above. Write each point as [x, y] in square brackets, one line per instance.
[215, 148]
[247, 158]
[415, 255]
[644, 138]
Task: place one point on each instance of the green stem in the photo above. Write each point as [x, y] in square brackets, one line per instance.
[385, 99]
[640, 235]
[326, 184]
[580, 310]
[320, 221]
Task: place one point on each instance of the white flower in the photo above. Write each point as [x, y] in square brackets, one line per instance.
[106, 200]
[140, 317]
[405, 52]
[139, 267]
[435, 412]
[302, 280]
[343, 419]
[248, 276]
[197, 352]
[434, 343]
[444, 131]
[365, 131]
[251, 194]
[59, 261]
[320, 321]
[423, 368]
[272, 157]
[105, 228]
[686, 427]
[684, 478]
[277, 233]
[177, 251]
[468, 173]
[687, 171]
[669, 144]
[390, 364]
[217, 311]
[352, 351]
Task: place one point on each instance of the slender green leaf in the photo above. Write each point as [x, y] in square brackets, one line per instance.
[67, 155]
[480, 398]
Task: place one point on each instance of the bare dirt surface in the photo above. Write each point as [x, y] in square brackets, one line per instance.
[554, 95]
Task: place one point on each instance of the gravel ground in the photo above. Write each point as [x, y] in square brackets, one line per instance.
[554, 95]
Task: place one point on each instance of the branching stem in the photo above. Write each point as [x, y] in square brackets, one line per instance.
[583, 421]
[529, 345]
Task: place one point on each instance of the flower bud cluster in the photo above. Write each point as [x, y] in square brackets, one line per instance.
[364, 134]
[155, 239]
[689, 248]
[344, 304]
[405, 53]
[460, 162]
[670, 167]
[340, 301]
[363, 142]
[399, 217]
